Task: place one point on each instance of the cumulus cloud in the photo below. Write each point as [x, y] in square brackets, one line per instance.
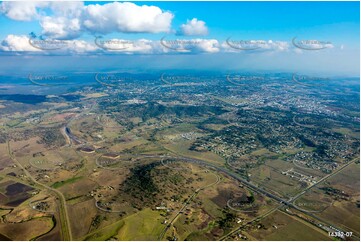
[17, 43]
[126, 17]
[144, 46]
[22, 11]
[61, 27]
[67, 9]
[208, 45]
[80, 46]
[193, 27]
[276, 45]
[68, 20]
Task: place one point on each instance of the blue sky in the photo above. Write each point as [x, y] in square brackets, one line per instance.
[275, 23]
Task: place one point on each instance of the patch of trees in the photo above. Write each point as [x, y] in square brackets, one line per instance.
[306, 141]
[338, 194]
[227, 221]
[321, 149]
[97, 220]
[3, 137]
[140, 184]
[212, 120]
[51, 138]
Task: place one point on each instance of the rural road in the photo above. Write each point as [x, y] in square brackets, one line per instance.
[185, 204]
[264, 192]
[63, 213]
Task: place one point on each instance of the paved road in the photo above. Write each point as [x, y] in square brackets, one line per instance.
[63, 213]
[254, 187]
[67, 235]
[251, 221]
[324, 178]
[290, 202]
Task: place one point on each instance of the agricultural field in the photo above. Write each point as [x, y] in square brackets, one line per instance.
[174, 163]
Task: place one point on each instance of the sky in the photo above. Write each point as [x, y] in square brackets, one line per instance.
[306, 37]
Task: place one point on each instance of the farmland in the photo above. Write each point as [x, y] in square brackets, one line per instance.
[180, 165]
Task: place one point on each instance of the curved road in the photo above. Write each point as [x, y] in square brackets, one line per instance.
[254, 187]
[63, 213]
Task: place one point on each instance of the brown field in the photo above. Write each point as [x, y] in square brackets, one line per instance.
[348, 180]
[281, 226]
[171, 139]
[81, 217]
[281, 165]
[198, 221]
[345, 214]
[274, 181]
[25, 147]
[136, 200]
[23, 213]
[108, 177]
[314, 200]
[27, 230]
[5, 160]
[130, 142]
[62, 117]
[81, 187]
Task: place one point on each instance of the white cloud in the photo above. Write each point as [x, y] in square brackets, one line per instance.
[68, 20]
[126, 17]
[311, 44]
[22, 43]
[276, 45]
[67, 9]
[60, 27]
[144, 46]
[233, 45]
[140, 46]
[193, 27]
[189, 45]
[208, 45]
[80, 46]
[129, 46]
[17, 43]
[21, 11]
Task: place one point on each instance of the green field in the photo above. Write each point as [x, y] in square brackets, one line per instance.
[69, 181]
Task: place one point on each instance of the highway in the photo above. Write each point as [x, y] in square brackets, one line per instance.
[290, 202]
[63, 213]
[254, 187]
